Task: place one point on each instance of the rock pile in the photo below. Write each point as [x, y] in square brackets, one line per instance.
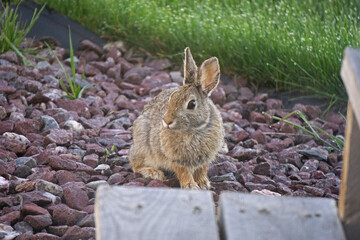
[55, 152]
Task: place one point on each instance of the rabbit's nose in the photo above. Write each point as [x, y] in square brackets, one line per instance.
[167, 125]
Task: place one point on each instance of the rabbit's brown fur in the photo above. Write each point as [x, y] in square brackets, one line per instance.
[170, 135]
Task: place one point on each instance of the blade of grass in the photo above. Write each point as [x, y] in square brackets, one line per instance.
[290, 123]
[301, 115]
[72, 64]
[16, 50]
[58, 61]
[311, 132]
[336, 140]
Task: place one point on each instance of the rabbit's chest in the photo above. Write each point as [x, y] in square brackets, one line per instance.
[190, 150]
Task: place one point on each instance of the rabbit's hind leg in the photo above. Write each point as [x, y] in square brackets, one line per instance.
[200, 177]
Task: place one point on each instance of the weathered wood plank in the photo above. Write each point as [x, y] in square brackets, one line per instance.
[350, 74]
[349, 202]
[250, 216]
[154, 213]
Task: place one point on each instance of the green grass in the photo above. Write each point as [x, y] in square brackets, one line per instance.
[76, 90]
[335, 143]
[287, 44]
[13, 31]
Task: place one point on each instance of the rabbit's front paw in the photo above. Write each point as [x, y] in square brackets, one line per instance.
[204, 184]
[193, 186]
[153, 173]
[200, 177]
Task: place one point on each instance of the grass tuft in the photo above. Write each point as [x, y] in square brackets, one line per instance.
[76, 90]
[336, 143]
[13, 31]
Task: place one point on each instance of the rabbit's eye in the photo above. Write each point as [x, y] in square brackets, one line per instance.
[191, 104]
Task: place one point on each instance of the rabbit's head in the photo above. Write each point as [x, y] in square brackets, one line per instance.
[190, 106]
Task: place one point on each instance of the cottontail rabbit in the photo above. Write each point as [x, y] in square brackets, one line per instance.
[180, 129]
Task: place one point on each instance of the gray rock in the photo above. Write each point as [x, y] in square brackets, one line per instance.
[76, 151]
[117, 178]
[76, 61]
[16, 116]
[7, 232]
[4, 62]
[43, 66]
[102, 167]
[50, 79]
[53, 93]
[48, 123]
[23, 171]
[50, 187]
[73, 125]
[318, 153]
[244, 153]
[28, 161]
[224, 177]
[310, 166]
[259, 186]
[88, 221]
[94, 185]
[118, 161]
[122, 123]
[8, 76]
[265, 192]
[23, 227]
[54, 199]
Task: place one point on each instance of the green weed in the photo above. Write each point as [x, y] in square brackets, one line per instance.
[13, 31]
[336, 143]
[107, 152]
[76, 90]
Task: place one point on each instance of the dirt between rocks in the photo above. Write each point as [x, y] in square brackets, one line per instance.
[53, 150]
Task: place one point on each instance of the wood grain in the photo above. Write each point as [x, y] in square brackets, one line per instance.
[349, 202]
[350, 74]
[154, 213]
[255, 217]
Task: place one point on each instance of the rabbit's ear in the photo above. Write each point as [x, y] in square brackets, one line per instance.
[190, 68]
[209, 75]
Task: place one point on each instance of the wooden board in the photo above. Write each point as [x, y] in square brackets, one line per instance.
[154, 213]
[349, 202]
[250, 216]
[350, 74]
